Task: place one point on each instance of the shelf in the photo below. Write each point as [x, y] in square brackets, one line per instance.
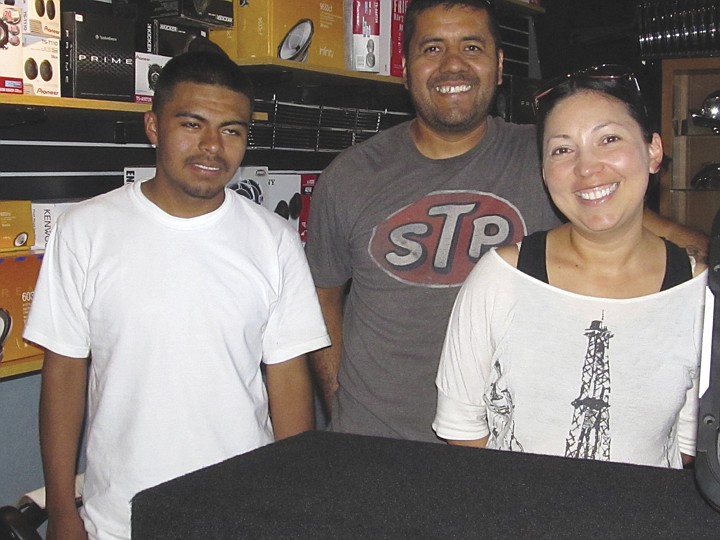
[521, 6]
[71, 103]
[21, 366]
[312, 73]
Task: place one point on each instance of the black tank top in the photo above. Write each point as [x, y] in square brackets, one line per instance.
[532, 260]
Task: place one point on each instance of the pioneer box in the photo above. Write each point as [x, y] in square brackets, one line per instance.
[40, 17]
[98, 57]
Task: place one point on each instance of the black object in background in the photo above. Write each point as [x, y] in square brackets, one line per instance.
[707, 460]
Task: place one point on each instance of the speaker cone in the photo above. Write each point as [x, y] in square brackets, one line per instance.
[296, 43]
[31, 68]
[40, 8]
[46, 70]
[51, 9]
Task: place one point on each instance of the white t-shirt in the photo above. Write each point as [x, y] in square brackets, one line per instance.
[178, 314]
[547, 371]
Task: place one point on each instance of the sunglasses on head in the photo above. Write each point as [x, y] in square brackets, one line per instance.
[615, 72]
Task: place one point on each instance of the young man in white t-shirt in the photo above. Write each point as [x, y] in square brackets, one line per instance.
[179, 290]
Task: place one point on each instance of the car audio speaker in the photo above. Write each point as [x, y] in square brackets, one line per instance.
[296, 43]
[46, 70]
[201, 6]
[31, 68]
[153, 74]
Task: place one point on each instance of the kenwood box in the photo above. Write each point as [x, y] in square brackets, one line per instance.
[98, 57]
[205, 12]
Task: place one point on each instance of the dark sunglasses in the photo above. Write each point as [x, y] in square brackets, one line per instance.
[621, 74]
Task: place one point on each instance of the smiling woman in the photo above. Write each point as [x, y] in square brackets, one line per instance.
[511, 380]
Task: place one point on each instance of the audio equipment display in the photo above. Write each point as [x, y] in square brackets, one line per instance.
[40, 17]
[98, 58]
[18, 274]
[41, 66]
[11, 62]
[147, 70]
[205, 12]
[310, 31]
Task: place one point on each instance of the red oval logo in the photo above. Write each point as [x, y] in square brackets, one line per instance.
[436, 241]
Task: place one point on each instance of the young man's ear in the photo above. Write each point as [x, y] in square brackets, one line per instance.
[150, 120]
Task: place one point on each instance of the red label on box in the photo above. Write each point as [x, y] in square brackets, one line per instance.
[11, 85]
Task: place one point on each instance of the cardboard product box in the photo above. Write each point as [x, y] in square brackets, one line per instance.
[18, 274]
[288, 194]
[248, 182]
[41, 66]
[362, 35]
[147, 71]
[204, 12]
[44, 215]
[98, 57]
[157, 36]
[11, 71]
[132, 174]
[392, 26]
[16, 225]
[41, 17]
[309, 31]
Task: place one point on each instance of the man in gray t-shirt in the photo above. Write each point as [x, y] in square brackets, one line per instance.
[404, 216]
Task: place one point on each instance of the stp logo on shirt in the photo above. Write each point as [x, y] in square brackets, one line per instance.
[436, 241]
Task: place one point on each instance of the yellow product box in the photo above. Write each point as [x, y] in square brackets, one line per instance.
[18, 274]
[16, 225]
[305, 31]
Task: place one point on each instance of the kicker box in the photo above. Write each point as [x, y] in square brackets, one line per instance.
[40, 17]
[18, 274]
[203, 12]
[98, 57]
[16, 226]
[41, 66]
[11, 79]
[310, 31]
[147, 71]
[157, 36]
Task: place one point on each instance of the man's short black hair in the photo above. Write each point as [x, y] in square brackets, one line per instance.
[201, 67]
[415, 7]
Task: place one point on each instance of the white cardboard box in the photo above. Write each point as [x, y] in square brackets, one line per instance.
[41, 66]
[147, 70]
[11, 76]
[362, 34]
[44, 215]
[40, 17]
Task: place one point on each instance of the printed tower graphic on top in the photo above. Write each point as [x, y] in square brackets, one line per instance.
[589, 435]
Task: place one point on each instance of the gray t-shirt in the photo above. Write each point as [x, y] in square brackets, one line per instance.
[407, 230]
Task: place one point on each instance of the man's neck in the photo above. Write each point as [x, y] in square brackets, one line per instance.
[438, 145]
